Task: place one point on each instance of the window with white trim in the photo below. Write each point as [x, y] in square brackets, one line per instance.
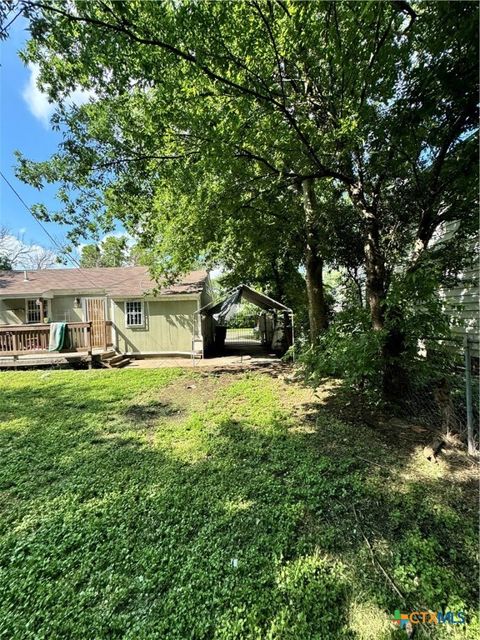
[32, 311]
[134, 313]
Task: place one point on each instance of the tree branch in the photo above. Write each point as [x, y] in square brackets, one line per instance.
[427, 223]
[403, 7]
[112, 163]
[126, 29]
[274, 47]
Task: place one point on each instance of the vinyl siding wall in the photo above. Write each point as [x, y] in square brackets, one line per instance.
[462, 301]
[60, 309]
[168, 322]
[12, 311]
[168, 327]
[462, 305]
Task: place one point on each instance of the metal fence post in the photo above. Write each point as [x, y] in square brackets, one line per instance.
[468, 396]
[293, 338]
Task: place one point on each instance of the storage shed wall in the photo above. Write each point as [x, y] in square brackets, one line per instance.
[168, 327]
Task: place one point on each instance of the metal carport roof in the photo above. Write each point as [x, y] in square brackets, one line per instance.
[227, 307]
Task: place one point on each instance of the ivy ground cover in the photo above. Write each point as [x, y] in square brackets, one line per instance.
[144, 504]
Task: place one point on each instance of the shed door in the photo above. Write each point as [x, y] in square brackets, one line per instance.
[94, 309]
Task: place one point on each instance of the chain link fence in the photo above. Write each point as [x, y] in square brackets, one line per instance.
[443, 392]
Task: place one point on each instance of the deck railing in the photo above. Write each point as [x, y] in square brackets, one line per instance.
[25, 339]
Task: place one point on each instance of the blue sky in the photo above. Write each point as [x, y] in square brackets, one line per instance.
[24, 125]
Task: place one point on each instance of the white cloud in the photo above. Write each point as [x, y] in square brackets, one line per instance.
[38, 101]
[80, 96]
[24, 255]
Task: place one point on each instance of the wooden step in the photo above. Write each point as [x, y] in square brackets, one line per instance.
[106, 355]
[113, 360]
[120, 363]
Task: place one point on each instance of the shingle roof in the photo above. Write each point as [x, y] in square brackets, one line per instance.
[113, 281]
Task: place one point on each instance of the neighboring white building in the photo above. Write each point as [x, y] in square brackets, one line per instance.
[462, 301]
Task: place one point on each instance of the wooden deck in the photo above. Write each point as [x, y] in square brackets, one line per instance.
[51, 359]
[27, 345]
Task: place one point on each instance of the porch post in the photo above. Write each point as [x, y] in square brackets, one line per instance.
[89, 344]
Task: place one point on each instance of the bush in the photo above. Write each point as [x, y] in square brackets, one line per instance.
[377, 362]
[348, 350]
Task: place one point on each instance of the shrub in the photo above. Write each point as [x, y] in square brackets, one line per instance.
[371, 361]
[348, 350]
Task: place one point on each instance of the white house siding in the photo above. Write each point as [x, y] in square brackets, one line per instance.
[462, 305]
[462, 301]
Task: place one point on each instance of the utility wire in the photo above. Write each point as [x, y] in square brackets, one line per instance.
[42, 226]
[47, 233]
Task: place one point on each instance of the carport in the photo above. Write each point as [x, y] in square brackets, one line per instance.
[271, 330]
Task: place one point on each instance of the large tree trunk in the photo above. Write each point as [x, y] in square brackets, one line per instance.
[374, 259]
[317, 308]
[375, 274]
[394, 377]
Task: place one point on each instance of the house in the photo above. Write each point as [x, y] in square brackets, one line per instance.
[461, 302]
[140, 320]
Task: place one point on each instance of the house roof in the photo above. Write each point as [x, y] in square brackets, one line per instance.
[112, 281]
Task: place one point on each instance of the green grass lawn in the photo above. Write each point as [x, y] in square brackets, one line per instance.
[142, 504]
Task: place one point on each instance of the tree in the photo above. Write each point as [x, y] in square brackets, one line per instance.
[40, 258]
[90, 256]
[15, 253]
[5, 264]
[112, 252]
[141, 256]
[192, 92]
[12, 248]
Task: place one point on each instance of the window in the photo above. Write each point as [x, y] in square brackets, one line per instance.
[33, 311]
[134, 316]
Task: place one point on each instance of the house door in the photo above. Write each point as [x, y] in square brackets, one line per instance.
[94, 312]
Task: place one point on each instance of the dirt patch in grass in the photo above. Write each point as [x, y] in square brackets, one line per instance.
[151, 411]
[177, 400]
[193, 392]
